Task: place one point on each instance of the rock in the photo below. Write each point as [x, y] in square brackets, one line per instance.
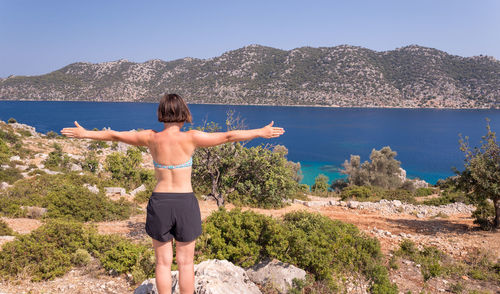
[147, 287]
[333, 202]
[92, 189]
[4, 185]
[75, 167]
[220, 277]
[115, 190]
[15, 157]
[420, 215]
[316, 203]
[34, 211]
[299, 201]
[5, 166]
[141, 188]
[7, 238]
[22, 167]
[420, 184]
[77, 157]
[41, 155]
[353, 204]
[396, 203]
[276, 273]
[51, 172]
[30, 129]
[402, 175]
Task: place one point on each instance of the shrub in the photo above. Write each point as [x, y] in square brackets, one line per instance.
[241, 237]
[481, 175]
[5, 230]
[52, 249]
[125, 169]
[65, 197]
[51, 135]
[10, 175]
[383, 170]
[4, 151]
[357, 192]
[313, 242]
[9, 136]
[90, 162]
[320, 183]
[421, 192]
[81, 257]
[43, 254]
[429, 258]
[57, 160]
[94, 145]
[12, 120]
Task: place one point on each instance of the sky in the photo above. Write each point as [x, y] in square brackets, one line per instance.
[37, 37]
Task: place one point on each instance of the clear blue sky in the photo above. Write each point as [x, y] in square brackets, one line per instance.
[38, 36]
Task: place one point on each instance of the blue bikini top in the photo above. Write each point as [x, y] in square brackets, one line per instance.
[185, 164]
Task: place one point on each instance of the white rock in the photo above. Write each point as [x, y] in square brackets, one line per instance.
[22, 167]
[141, 188]
[91, 188]
[211, 277]
[276, 273]
[75, 167]
[4, 185]
[15, 157]
[115, 190]
[353, 204]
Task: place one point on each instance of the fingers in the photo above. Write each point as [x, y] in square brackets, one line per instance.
[271, 124]
[77, 124]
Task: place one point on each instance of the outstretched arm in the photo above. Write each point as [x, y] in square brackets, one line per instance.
[133, 138]
[203, 139]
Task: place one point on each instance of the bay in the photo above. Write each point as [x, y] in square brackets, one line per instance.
[426, 140]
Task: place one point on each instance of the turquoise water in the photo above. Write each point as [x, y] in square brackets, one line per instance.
[426, 140]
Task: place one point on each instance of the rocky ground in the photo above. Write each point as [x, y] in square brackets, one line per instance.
[449, 228]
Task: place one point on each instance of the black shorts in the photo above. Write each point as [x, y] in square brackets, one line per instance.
[173, 215]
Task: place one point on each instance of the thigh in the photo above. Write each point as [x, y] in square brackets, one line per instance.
[163, 252]
[184, 252]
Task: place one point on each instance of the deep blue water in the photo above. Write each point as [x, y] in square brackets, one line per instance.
[426, 140]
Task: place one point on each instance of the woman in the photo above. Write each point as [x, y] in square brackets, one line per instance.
[173, 211]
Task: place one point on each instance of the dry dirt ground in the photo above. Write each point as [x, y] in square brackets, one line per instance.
[455, 235]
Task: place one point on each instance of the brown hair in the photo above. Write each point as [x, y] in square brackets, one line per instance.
[172, 108]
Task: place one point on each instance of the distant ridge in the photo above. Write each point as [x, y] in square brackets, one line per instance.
[345, 76]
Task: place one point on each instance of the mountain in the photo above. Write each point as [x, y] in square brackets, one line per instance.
[346, 76]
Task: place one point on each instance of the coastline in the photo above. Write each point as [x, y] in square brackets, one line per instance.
[270, 105]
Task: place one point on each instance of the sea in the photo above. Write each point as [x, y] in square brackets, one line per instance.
[320, 138]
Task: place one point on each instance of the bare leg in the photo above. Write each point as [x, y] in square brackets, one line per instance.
[163, 254]
[184, 256]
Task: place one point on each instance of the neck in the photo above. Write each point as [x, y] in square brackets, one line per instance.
[173, 126]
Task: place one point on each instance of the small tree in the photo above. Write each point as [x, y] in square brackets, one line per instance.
[383, 170]
[481, 177]
[320, 183]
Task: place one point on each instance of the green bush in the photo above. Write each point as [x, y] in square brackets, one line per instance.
[57, 160]
[43, 254]
[10, 175]
[52, 135]
[12, 120]
[420, 192]
[323, 247]
[9, 136]
[484, 215]
[64, 197]
[81, 257]
[359, 193]
[372, 193]
[52, 249]
[320, 184]
[429, 258]
[5, 230]
[94, 145]
[125, 169]
[4, 151]
[90, 162]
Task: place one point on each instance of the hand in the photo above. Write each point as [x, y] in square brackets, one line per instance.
[77, 132]
[272, 132]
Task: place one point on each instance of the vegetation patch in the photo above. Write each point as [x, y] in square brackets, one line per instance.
[54, 248]
[64, 196]
[5, 230]
[326, 248]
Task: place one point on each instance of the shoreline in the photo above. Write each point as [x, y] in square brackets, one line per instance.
[269, 105]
